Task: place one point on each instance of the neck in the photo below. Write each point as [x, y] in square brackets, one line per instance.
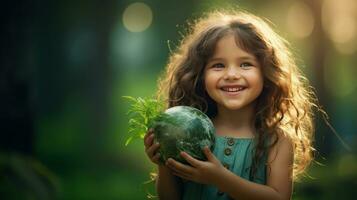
[235, 122]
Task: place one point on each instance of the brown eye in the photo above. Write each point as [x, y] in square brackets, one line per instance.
[246, 65]
[218, 65]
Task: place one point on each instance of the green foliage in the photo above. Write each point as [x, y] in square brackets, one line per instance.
[142, 113]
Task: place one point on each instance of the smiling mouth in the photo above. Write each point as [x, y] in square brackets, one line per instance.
[232, 89]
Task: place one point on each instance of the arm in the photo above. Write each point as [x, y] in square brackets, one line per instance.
[279, 179]
[167, 185]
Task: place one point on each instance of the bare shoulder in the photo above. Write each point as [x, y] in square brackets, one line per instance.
[280, 166]
[283, 148]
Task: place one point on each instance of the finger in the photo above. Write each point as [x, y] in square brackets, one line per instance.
[178, 173]
[209, 155]
[149, 140]
[194, 162]
[156, 158]
[146, 137]
[147, 134]
[179, 167]
[152, 149]
[184, 176]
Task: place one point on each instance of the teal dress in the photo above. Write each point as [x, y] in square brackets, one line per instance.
[236, 155]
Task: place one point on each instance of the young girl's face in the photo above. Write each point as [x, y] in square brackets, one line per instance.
[233, 77]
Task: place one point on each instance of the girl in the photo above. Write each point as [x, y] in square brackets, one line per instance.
[237, 70]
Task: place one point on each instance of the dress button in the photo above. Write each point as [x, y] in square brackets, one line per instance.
[230, 141]
[228, 151]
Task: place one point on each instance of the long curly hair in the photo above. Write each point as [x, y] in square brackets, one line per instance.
[286, 103]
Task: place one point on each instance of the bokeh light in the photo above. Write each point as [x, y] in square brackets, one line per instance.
[137, 17]
[339, 20]
[66, 71]
[300, 20]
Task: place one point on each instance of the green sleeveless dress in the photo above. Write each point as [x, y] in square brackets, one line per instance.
[236, 155]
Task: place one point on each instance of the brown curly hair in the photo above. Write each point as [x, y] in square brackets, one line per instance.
[286, 102]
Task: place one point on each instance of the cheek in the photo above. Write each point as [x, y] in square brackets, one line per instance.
[259, 80]
[210, 81]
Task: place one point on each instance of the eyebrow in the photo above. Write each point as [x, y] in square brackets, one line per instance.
[241, 58]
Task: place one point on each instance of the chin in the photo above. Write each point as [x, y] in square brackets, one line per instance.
[233, 107]
[236, 106]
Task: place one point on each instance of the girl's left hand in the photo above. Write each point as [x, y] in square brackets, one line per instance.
[204, 172]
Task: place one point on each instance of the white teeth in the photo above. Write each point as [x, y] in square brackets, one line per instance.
[233, 89]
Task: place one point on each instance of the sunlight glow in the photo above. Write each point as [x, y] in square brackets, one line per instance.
[137, 17]
[300, 20]
[339, 20]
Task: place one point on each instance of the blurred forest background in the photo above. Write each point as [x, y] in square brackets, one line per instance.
[65, 66]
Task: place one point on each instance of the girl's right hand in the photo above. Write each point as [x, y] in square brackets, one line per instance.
[151, 148]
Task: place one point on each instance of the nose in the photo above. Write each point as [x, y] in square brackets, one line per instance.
[232, 73]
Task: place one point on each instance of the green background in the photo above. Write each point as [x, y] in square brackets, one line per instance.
[65, 66]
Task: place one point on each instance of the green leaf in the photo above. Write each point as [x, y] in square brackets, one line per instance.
[142, 113]
[128, 141]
